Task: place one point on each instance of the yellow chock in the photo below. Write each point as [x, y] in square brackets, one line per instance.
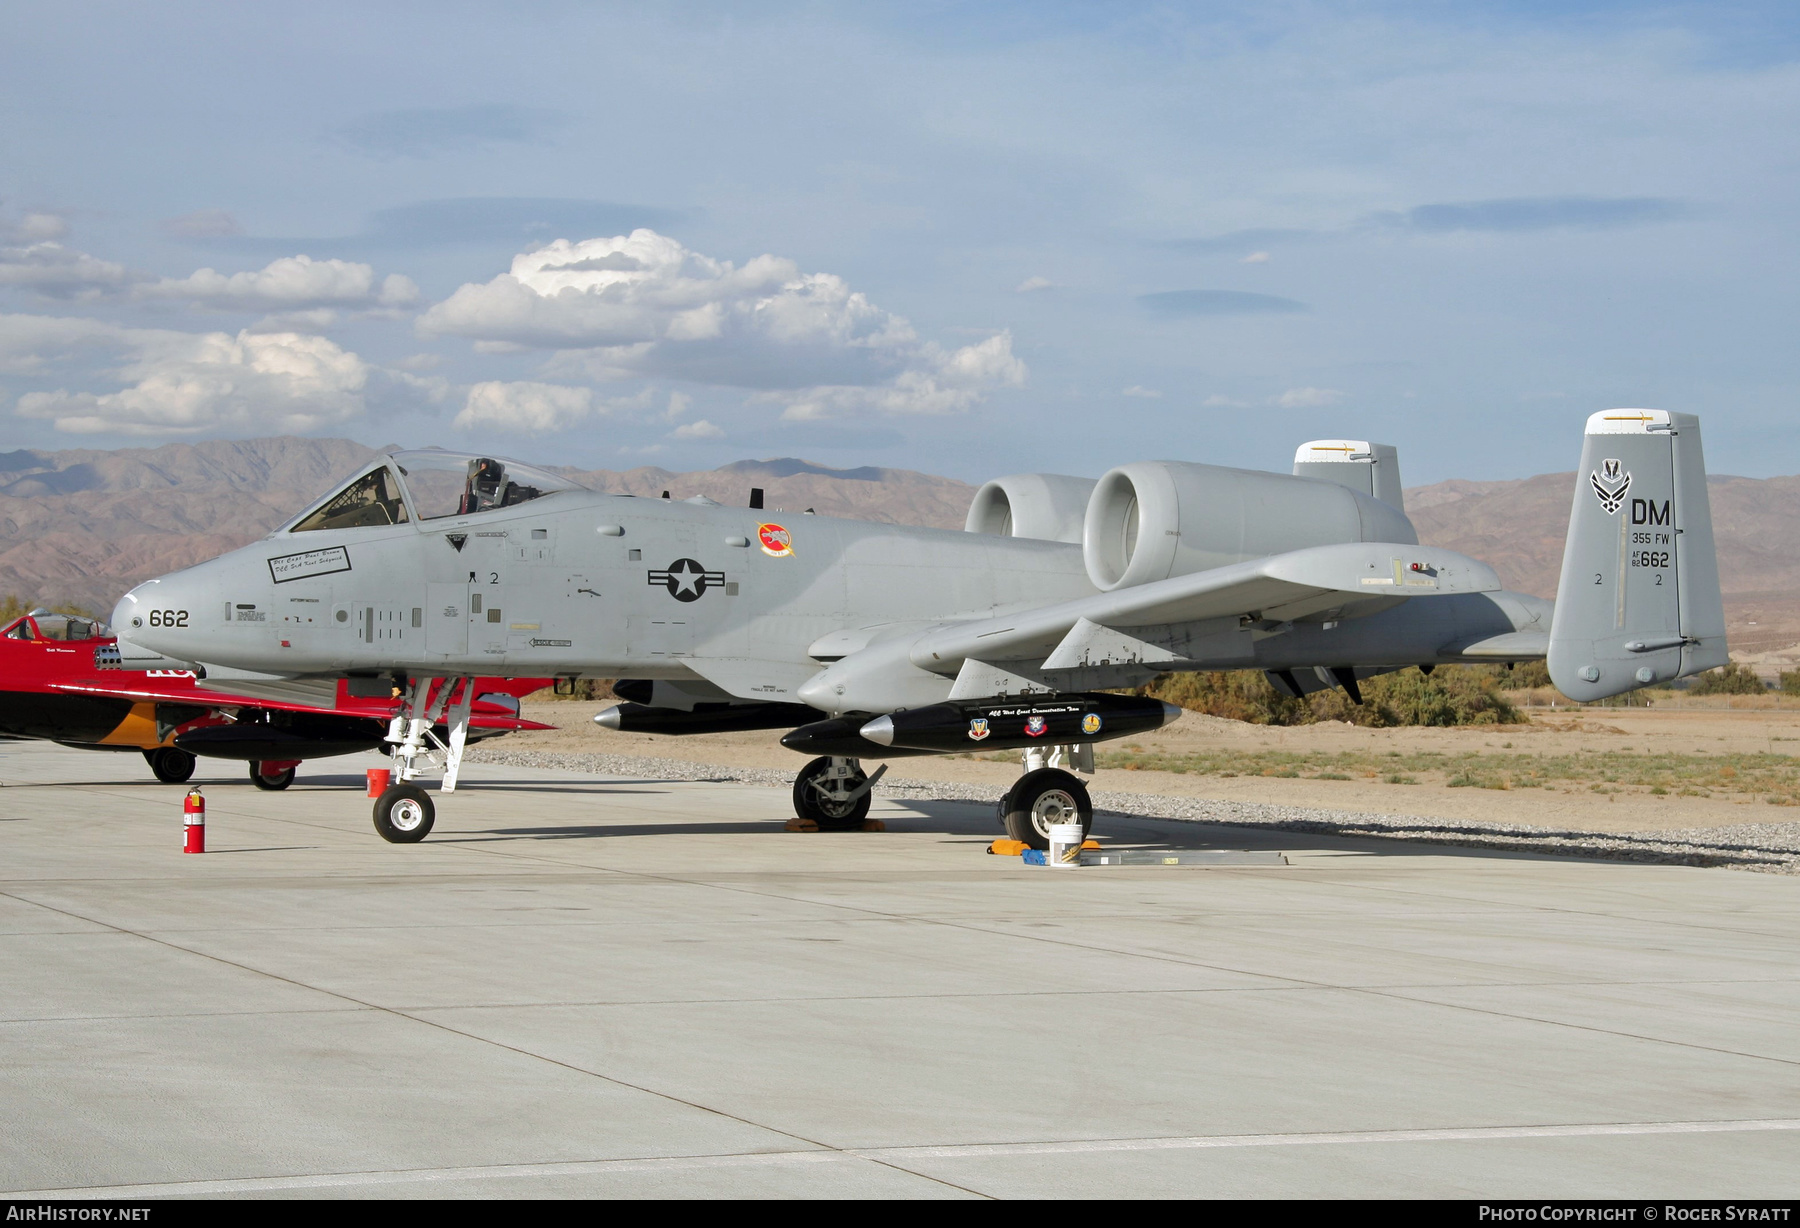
[874, 825]
[801, 825]
[1090, 844]
[1007, 848]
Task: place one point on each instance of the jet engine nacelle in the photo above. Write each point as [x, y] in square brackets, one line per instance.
[1155, 519]
[1046, 506]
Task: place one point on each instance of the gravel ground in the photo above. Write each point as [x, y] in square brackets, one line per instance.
[1769, 847]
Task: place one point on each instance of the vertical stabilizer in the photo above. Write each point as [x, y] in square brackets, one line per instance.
[1639, 598]
[1371, 468]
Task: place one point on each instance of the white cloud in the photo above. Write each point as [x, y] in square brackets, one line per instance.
[1255, 258]
[1031, 284]
[290, 282]
[678, 405]
[59, 272]
[698, 430]
[188, 383]
[35, 228]
[1138, 390]
[1307, 398]
[29, 344]
[525, 406]
[643, 305]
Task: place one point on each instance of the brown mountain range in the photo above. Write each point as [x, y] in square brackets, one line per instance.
[83, 525]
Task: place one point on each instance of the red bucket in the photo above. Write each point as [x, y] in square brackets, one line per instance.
[379, 780]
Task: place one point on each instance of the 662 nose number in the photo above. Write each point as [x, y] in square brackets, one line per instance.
[168, 618]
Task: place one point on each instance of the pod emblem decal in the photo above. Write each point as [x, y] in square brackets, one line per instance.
[978, 729]
[1090, 724]
[1035, 726]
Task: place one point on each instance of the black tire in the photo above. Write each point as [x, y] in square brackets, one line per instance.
[404, 814]
[171, 766]
[830, 814]
[1043, 797]
[274, 782]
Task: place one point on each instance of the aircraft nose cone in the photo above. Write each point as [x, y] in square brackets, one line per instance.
[128, 615]
[880, 730]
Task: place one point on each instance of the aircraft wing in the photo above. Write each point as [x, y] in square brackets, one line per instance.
[1354, 579]
[181, 690]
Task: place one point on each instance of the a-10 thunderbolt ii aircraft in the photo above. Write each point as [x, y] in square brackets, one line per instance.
[870, 641]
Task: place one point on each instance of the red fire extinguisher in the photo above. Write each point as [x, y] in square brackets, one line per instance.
[193, 818]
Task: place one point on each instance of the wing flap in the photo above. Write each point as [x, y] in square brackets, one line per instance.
[1356, 578]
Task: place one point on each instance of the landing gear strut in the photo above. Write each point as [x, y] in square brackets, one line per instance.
[404, 813]
[834, 792]
[1046, 795]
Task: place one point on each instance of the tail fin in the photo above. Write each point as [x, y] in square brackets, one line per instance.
[1639, 598]
[1372, 468]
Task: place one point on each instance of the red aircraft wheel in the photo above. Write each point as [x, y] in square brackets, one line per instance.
[272, 781]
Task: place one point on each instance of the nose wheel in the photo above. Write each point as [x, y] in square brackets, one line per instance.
[1042, 799]
[833, 792]
[404, 814]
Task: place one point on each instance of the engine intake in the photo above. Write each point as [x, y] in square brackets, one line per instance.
[1155, 519]
[1046, 506]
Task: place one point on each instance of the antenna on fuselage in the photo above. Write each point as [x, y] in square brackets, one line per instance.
[756, 498]
[665, 494]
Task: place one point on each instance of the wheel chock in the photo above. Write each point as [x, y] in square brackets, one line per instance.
[801, 825]
[1090, 844]
[874, 825]
[1007, 848]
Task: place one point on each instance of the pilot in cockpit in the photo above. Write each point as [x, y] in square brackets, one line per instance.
[488, 487]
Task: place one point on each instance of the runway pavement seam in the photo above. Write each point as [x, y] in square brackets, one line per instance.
[890, 1156]
[484, 1040]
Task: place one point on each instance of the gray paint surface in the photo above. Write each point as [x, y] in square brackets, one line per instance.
[593, 987]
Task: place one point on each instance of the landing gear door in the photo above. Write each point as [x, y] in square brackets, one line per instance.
[447, 619]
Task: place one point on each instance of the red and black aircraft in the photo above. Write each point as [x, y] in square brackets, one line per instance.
[52, 688]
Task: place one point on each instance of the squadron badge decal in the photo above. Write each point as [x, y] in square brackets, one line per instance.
[1610, 485]
[776, 541]
[686, 580]
[1090, 724]
[1035, 726]
[978, 729]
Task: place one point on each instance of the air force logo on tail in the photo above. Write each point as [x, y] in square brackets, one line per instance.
[1610, 485]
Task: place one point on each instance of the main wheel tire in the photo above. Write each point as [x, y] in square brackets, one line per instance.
[1044, 797]
[274, 782]
[171, 766]
[404, 814]
[830, 812]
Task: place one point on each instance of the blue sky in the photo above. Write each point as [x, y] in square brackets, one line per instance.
[965, 239]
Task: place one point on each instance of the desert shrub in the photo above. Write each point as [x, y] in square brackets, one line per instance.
[1239, 695]
[1790, 682]
[1525, 675]
[1450, 695]
[1729, 679]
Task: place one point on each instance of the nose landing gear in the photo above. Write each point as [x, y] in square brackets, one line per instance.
[834, 792]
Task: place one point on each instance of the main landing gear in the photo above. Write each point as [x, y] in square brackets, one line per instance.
[171, 766]
[1047, 794]
[272, 775]
[834, 792]
[404, 812]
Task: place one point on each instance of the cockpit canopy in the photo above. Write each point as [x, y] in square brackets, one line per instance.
[436, 484]
[43, 625]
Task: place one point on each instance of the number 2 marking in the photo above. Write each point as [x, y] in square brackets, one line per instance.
[1596, 577]
[493, 577]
